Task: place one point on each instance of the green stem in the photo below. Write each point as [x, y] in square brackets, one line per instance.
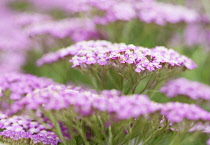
[56, 125]
[146, 86]
[110, 76]
[110, 136]
[78, 127]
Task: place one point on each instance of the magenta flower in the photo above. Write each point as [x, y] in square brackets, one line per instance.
[14, 86]
[176, 112]
[208, 142]
[105, 53]
[86, 103]
[12, 37]
[76, 28]
[23, 127]
[162, 13]
[188, 88]
[24, 19]
[12, 65]
[146, 11]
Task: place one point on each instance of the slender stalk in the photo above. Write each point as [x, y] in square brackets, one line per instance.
[146, 86]
[78, 126]
[110, 136]
[56, 125]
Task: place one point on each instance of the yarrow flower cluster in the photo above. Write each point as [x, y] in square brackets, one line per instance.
[162, 13]
[14, 86]
[25, 130]
[102, 53]
[146, 11]
[24, 19]
[22, 84]
[198, 34]
[195, 34]
[188, 88]
[100, 58]
[86, 103]
[11, 65]
[176, 112]
[77, 29]
[113, 11]
[12, 37]
[110, 107]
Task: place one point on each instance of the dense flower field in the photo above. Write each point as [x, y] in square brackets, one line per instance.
[104, 72]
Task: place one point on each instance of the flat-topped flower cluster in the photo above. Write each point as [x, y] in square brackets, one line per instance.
[121, 107]
[77, 29]
[177, 112]
[23, 127]
[146, 11]
[21, 84]
[188, 88]
[131, 63]
[87, 53]
[14, 86]
[111, 106]
[87, 103]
